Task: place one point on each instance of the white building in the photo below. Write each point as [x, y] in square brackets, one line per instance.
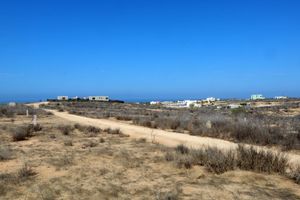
[12, 104]
[98, 98]
[62, 98]
[211, 99]
[75, 98]
[280, 97]
[154, 102]
[257, 97]
[234, 106]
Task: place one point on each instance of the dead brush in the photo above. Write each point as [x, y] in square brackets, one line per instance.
[5, 153]
[20, 134]
[92, 131]
[90, 144]
[261, 161]
[65, 129]
[24, 132]
[116, 131]
[217, 161]
[295, 174]
[25, 173]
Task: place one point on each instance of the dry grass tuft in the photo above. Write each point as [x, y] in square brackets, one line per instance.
[5, 153]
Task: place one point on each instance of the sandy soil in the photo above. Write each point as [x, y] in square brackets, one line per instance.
[118, 168]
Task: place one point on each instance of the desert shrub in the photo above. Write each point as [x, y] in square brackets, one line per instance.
[169, 195]
[124, 117]
[23, 132]
[93, 129]
[25, 173]
[102, 140]
[217, 161]
[252, 159]
[238, 111]
[33, 128]
[87, 129]
[295, 175]
[6, 111]
[90, 144]
[78, 126]
[20, 134]
[170, 156]
[65, 129]
[292, 141]
[214, 160]
[182, 149]
[141, 140]
[184, 161]
[113, 131]
[5, 153]
[68, 142]
[62, 161]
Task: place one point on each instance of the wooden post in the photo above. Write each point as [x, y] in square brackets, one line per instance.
[27, 113]
[34, 120]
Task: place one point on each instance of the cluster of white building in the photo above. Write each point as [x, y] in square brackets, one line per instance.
[261, 97]
[90, 98]
[186, 103]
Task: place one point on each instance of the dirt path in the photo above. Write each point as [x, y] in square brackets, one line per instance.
[167, 138]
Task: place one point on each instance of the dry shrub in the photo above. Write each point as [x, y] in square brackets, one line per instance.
[68, 142]
[91, 130]
[20, 134]
[62, 161]
[184, 161]
[295, 174]
[23, 132]
[5, 153]
[25, 173]
[90, 144]
[217, 161]
[182, 149]
[101, 140]
[170, 156]
[65, 129]
[116, 131]
[141, 140]
[252, 159]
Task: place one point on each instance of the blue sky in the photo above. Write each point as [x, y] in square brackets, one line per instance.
[149, 49]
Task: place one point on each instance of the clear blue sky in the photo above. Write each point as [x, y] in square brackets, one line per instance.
[149, 49]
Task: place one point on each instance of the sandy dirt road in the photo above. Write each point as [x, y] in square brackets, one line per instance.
[167, 138]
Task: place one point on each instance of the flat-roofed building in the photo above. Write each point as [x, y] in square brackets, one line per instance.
[62, 98]
[281, 97]
[98, 98]
[257, 97]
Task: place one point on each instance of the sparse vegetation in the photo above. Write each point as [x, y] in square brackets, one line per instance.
[247, 125]
[245, 158]
[108, 166]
